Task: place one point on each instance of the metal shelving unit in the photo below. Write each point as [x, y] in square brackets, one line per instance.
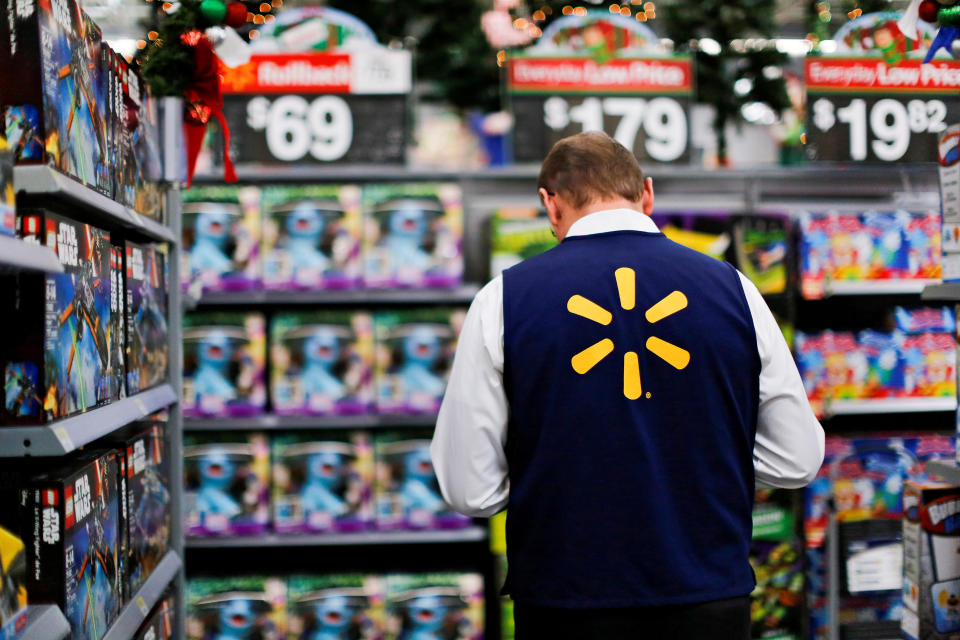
[17, 255]
[470, 534]
[135, 612]
[875, 287]
[358, 297]
[293, 423]
[44, 622]
[889, 405]
[946, 469]
[942, 291]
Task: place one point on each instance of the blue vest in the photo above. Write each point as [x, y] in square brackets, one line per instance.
[632, 375]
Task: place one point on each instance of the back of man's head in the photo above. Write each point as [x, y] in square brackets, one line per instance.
[591, 167]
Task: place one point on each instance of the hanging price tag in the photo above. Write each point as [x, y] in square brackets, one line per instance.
[865, 110]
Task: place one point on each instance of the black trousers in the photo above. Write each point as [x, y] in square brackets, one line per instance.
[716, 620]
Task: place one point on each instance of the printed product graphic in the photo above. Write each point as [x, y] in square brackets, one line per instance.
[13, 581]
[435, 606]
[146, 307]
[236, 608]
[336, 607]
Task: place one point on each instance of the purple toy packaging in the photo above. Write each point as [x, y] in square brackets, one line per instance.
[146, 306]
[413, 235]
[407, 493]
[238, 607]
[8, 201]
[221, 238]
[322, 481]
[223, 370]
[312, 237]
[435, 605]
[321, 363]
[414, 351]
[226, 484]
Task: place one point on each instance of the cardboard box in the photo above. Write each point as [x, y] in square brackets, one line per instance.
[221, 238]
[147, 345]
[336, 606]
[238, 606]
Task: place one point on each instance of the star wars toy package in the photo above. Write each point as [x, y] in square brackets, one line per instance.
[322, 481]
[336, 606]
[60, 364]
[221, 238]
[8, 201]
[407, 495]
[147, 347]
[414, 351]
[236, 607]
[125, 170]
[226, 483]
[118, 321]
[435, 606]
[13, 585]
[931, 565]
[54, 89]
[312, 237]
[223, 370]
[148, 195]
[321, 363]
[413, 235]
[70, 519]
[516, 234]
[159, 624]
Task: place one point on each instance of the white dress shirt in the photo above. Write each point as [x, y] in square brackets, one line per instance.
[471, 434]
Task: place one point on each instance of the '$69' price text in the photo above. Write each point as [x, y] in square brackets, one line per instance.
[296, 126]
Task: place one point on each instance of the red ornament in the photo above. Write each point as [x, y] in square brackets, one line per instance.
[236, 15]
[928, 11]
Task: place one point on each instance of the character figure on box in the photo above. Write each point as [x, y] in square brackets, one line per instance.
[429, 614]
[22, 397]
[84, 312]
[150, 523]
[335, 614]
[214, 353]
[305, 228]
[210, 244]
[419, 490]
[227, 485]
[236, 616]
[409, 494]
[408, 224]
[84, 58]
[95, 590]
[216, 475]
[421, 348]
[321, 352]
[223, 364]
[325, 472]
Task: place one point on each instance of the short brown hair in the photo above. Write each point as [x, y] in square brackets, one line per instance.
[591, 166]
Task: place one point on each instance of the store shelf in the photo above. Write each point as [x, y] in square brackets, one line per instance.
[17, 255]
[37, 181]
[274, 422]
[876, 287]
[946, 469]
[136, 611]
[470, 534]
[357, 297]
[63, 436]
[942, 291]
[889, 405]
[44, 622]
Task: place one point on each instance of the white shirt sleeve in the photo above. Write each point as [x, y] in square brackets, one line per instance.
[468, 444]
[788, 450]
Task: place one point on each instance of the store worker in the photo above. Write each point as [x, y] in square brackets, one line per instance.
[622, 396]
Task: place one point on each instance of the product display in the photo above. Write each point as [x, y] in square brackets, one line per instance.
[221, 238]
[435, 606]
[224, 356]
[226, 484]
[236, 607]
[407, 493]
[146, 307]
[413, 235]
[8, 203]
[321, 363]
[118, 323]
[312, 237]
[330, 607]
[517, 234]
[322, 481]
[13, 583]
[414, 352]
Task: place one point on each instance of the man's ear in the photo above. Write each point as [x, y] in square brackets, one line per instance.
[551, 205]
[647, 206]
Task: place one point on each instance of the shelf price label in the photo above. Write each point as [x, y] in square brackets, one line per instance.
[863, 110]
[642, 103]
[319, 108]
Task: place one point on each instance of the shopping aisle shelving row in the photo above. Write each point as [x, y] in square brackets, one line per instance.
[454, 536]
[293, 423]
[348, 297]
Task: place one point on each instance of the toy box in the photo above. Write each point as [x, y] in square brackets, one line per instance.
[925, 320]
[118, 321]
[223, 364]
[71, 522]
[312, 237]
[931, 565]
[60, 364]
[407, 495]
[885, 364]
[930, 362]
[8, 201]
[148, 195]
[414, 352]
[227, 483]
[815, 255]
[760, 247]
[147, 346]
[868, 479]
[923, 238]
[435, 606]
[336, 606]
[236, 607]
[413, 234]
[221, 238]
[776, 604]
[517, 234]
[159, 624]
[322, 481]
[13, 585]
[125, 170]
[321, 363]
[54, 89]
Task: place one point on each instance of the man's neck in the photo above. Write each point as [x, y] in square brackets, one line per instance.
[606, 205]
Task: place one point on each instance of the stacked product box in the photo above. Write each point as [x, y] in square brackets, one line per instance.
[236, 607]
[221, 238]
[950, 202]
[13, 585]
[61, 364]
[776, 555]
[160, 623]
[8, 201]
[424, 605]
[518, 233]
[336, 606]
[147, 348]
[118, 322]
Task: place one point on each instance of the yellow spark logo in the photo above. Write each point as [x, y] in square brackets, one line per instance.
[626, 287]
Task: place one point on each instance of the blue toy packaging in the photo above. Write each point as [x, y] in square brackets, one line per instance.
[413, 235]
[226, 483]
[70, 522]
[60, 364]
[223, 364]
[336, 606]
[236, 607]
[13, 585]
[407, 494]
[146, 308]
[321, 363]
[414, 351]
[868, 479]
[55, 89]
[923, 237]
[322, 481]
[312, 237]
[890, 257]
[435, 606]
[221, 238]
[931, 565]
[8, 201]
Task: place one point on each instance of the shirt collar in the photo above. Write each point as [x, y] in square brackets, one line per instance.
[612, 220]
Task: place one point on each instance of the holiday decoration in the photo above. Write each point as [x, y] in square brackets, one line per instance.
[236, 15]
[214, 11]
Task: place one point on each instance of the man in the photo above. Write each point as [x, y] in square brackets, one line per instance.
[622, 394]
